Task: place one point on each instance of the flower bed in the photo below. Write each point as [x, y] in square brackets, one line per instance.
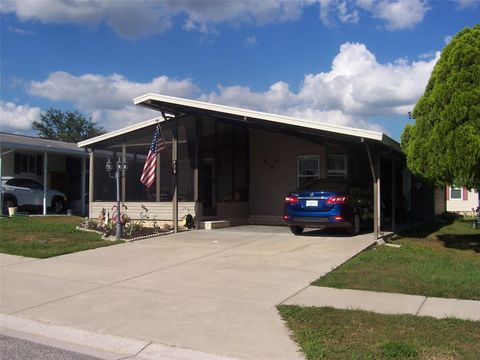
[131, 228]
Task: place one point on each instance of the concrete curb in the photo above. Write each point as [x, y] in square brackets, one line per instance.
[387, 303]
[103, 346]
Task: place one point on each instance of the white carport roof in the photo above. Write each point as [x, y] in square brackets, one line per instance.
[31, 143]
[175, 105]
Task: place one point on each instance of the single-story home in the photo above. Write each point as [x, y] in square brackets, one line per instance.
[232, 164]
[56, 164]
[462, 200]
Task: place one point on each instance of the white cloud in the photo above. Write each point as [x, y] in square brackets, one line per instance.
[468, 3]
[14, 118]
[92, 91]
[356, 89]
[345, 11]
[20, 31]
[448, 38]
[250, 42]
[399, 14]
[108, 99]
[135, 19]
[141, 18]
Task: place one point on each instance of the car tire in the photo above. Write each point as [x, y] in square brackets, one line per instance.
[355, 226]
[296, 230]
[8, 201]
[58, 206]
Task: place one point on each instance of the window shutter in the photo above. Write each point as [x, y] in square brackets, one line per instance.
[465, 194]
[447, 190]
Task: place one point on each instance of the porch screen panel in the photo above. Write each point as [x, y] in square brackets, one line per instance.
[232, 154]
[186, 157]
[105, 187]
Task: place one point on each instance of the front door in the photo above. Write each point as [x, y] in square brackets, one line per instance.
[208, 187]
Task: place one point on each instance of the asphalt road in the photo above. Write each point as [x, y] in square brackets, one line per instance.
[12, 348]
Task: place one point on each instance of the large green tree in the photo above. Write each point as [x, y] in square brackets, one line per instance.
[67, 126]
[443, 145]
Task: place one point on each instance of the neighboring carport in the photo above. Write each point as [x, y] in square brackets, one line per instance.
[57, 164]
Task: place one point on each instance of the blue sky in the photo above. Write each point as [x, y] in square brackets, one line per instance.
[360, 63]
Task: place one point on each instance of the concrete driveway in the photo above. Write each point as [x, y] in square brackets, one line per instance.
[208, 290]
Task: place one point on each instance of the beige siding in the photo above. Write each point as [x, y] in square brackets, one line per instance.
[463, 206]
[273, 171]
[232, 209]
[158, 210]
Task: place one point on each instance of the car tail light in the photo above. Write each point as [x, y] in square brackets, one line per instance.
[291, 200]
[338, 218]
[334, 200]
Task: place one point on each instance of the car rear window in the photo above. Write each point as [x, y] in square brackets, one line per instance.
[322, 185]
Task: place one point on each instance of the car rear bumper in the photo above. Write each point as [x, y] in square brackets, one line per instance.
[316, 222]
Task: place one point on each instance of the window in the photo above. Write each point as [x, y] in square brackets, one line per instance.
[308, 168]
[25, 163]
[25, 183]
[456, 193]
[337, 166]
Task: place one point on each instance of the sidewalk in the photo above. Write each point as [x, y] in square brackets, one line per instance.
[386, 303]
[102, 346]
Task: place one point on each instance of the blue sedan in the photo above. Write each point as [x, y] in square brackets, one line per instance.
[328, 203]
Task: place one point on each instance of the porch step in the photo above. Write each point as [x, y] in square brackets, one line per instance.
[214, 224]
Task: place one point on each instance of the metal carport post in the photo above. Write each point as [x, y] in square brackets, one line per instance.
[376, 189]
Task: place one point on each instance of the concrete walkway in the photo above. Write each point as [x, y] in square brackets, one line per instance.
[212, 292]
[387, 303]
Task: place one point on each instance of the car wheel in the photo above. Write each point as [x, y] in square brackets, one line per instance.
[297, 230]
[355, 228]
[58, 206]
[9, 202]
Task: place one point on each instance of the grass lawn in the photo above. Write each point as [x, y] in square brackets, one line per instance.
[439, 261]
[326, 333]
[43, 237]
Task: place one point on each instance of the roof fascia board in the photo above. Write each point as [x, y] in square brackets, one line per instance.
[47, 149]
[145, 100]
[120, 132]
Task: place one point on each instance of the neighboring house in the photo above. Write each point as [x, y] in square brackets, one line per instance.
[461, 200]
[237, 165]
[58, 165]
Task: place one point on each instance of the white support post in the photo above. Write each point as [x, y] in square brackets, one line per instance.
[394, 195]
[1, 192]
[45, 181]
[175, 174]
[379, 195]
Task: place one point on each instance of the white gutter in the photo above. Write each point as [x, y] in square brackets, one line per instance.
[119, 132]
[146, 99]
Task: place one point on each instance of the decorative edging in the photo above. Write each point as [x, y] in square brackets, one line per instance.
[148, 236]
[89, 230]
[113, 238]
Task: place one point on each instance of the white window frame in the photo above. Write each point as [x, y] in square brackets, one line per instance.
[309, 157]
[455, 198]
[342, 174]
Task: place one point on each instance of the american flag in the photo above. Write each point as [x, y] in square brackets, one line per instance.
[148, 173]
